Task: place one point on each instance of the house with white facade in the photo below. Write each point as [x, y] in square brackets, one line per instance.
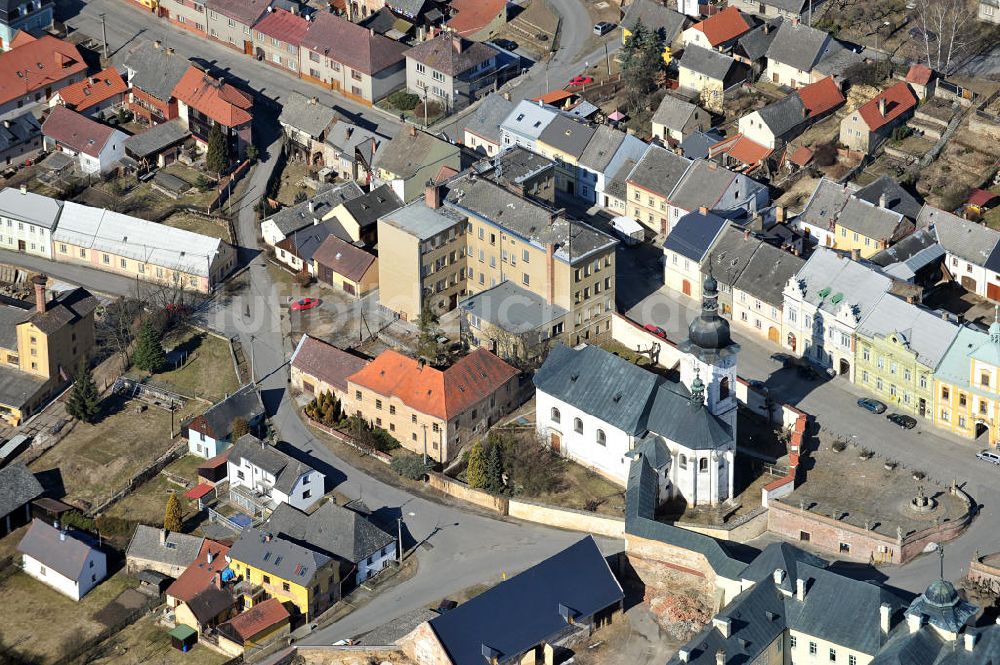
[211, 433]
[525, 124]
[602, 411]
[823, 305]
[261, 477]
[27, 221]
[971, 250]
[96, 147]
[729, 193]
[64, 560]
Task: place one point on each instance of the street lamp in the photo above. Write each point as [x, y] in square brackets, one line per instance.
[399, 542]
[877, 29]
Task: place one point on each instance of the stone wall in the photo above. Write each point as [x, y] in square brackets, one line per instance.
[329, 655]
[422, 646]
[984, 571]
[630, 334]
[741, 530]
[566, 518]
[460, 490]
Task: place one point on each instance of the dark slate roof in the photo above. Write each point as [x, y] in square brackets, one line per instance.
[217, 421]
[485, 120]
[305, 242]
[22, 129]
[286, 470]
[798, 46]
[368, 208]
[696, 144]
[299, 216]
[441, 54]
[176, 549]
[705, 61]
[780, 556]
[512, 165]
[210, 603]
[331, 529]
[65, 556]
[567, 135]
[659, 171]
[871, 221]
[674, 416]
[965, 239]
[655, 15]
[897, 199]
[906, 249]
[261, 549]
[601, 148]
[825, 203]
[767, 273]
[705, 183]
[156, 138]
[754, 44]
[18, 486]
[731, 254]
[940, 605]
[784, 115]
[928, 647]
[155, 71]
[392, 631]
[694, 234]
[518, 614]
[307, 115]
[66, 308]
[674, 112]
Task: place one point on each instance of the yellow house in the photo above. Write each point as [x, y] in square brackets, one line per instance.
[345, 267]
[868, 228]
[41, 347]
[649, 186]
[967, 386]
[271, 567]
[359, 216]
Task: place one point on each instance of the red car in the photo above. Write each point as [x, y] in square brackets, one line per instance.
[304, 303]
[656, 330]
[581, 80]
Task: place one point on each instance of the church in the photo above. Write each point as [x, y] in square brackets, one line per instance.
[601, 411]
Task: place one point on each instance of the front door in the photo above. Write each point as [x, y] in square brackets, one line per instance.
[21, 246]
[772, 334]
[247, 47]
[555, 441]
[923, 407]
[686, 287]
[993, 291]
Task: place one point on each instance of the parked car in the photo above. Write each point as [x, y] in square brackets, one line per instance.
[906, 422]
[581, 80]
[506, 44]
[989, 456]
[872, 405]
[303, 304]
[656, 330]
[603, 28]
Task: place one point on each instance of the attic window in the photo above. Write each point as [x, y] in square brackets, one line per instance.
[837, 297]
[574, 376]
[824, 292]
[520, 117]
[277, 561]
[267, 556]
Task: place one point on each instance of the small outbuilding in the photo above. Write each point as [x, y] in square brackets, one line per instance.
[183, 638]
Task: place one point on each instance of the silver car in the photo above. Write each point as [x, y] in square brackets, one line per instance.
[989, 456]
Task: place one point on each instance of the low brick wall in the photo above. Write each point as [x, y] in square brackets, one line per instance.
[346, 438]
[460, 490]
[629, 333]
[740, 530]
[567, 518]
[985, 573]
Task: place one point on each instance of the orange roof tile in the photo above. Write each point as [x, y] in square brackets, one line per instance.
[747, 151]
[37, 64]
[822, 96]
[474, 15]
[724, 26]
[554, 97]
[801, 156]
[93, 90]
[258, 618]
[423, 388]
[198, 576]
[21, 38]
[919, 74]
[898, 100]
[219, 101]
[283, 25]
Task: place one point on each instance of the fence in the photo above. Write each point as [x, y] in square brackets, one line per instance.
[82, 653]
[151, 470]
[346, 438]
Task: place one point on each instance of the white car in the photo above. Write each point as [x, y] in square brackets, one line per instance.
[989, 456]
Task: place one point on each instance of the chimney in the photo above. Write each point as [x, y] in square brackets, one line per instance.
[969, 640]
[911, 299]
[456, 43]
[767, 28]
[881, 106]
[800, 589]
[506, 95]
[703, 210]
[855, 254]
[157, 44]
[217, 580]
[413, 130]
[163, 536]
[883, 200]
[884, 613]
[913, 622]
[713, 166]
[24, 188]
[170, 50]
[6, 123]
[312, 206]
[723, 625]
[779, 214]
[371, 32]
[62, 535]
[432, 195]
[746, 234]
[39, 282]
[683, 655]
[720, 657]
[55, 524]
[779, 576]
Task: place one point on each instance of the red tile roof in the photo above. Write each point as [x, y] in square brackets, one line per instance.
[326, 362]
[351, 44]
[919, 74]
[283, 25]
[822, 96]
[258, 618]
[442, 394]
[554, 97]
[343, 258]
[217, 461]
[94, 90]
[474, 15]
[21, 38]
[801, 156]
[77, 132]
[219, 101]
[981, 197]
[724, 26]
[747, 151]
[37, 64]
[198, 576]
[198, 491]
[898, 100]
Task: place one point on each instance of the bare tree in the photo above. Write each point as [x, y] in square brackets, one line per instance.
[947, 28]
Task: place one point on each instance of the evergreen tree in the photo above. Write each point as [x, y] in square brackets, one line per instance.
[217, 157]
[240, 427]
[84, 401]
[149, 355]
[494, 470]
[173, 517]
[428, 346]
[475, 475]
[642, 59]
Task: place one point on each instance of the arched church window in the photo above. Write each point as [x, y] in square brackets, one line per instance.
[724, 388]
[601, 439]
[556, 416]
[703, 464]
[578, 425]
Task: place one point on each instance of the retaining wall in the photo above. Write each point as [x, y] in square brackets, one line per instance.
[567, 518]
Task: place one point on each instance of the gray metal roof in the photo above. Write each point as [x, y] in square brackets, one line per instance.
[705, 183]
[420, 221]
[154, 70]
[263, 550]
[767, 273]
[217, 421]
[529, 119]
[655, 16]
[731, 254]
[348, 138]
[17, 387]
[799, 46]
[924, 333]
[696, 144]
[797, 6]
[485, 121]
[65, 555]
[512, 308]
[871, 221]
[285, 469]
[705, 61]
[19, 130]
[754, 44]
[29, 207]
[299, 216]
[828, 274]
[512, 165]
[367, 208]
[330, 529]
[601, 148]
[18, 486]
[156, 138]
[176, 549]
[306, 115]
[659, 171]
[694, 234]
[909, 256]
[529, 220]
[674, 113]
[784, 115]
[967, 240]
[567, 135]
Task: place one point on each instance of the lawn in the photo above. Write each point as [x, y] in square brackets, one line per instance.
[94, 461]
[291, 176]
[41, 624]
[196, 224]
[145, 642]
[208, 370]
[583, 489]
[146, 504]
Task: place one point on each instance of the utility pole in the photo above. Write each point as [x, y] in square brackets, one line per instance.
[607, 58]
[425, 108]
[399, 542]
[253, 369]
[104, 31]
